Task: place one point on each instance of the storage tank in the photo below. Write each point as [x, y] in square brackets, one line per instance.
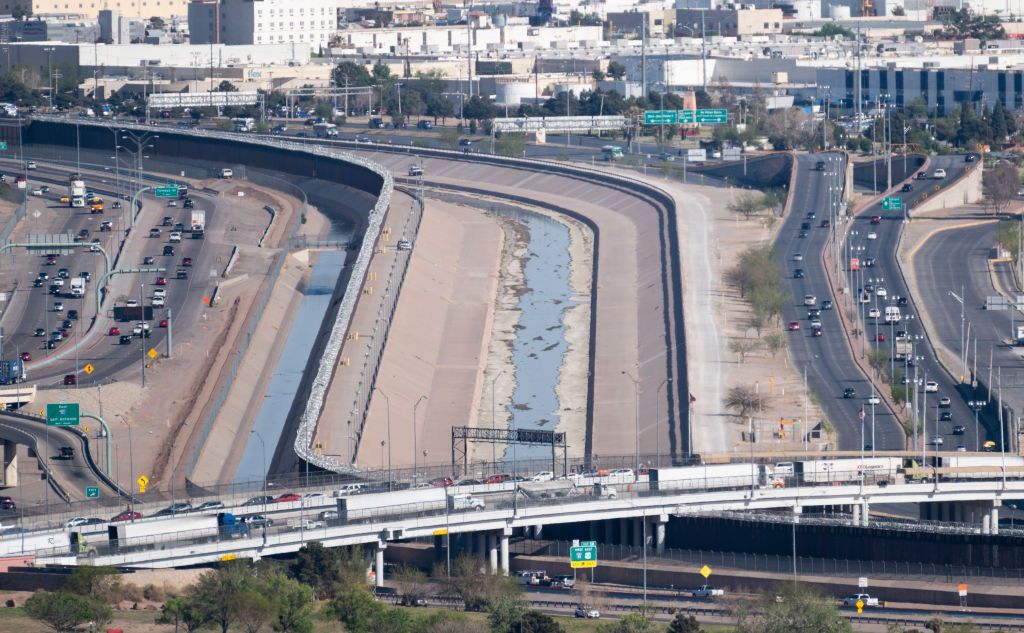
[839, 12]
[513, 93]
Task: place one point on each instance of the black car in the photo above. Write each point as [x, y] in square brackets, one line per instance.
[259, 501]
[805, 226]
[54, 290]
[125, 339]
[969, 158]
[167, 221]
[945, 416]
[6, 503]
[798, 273]
[181, 273]
[51, 344]
[147, 261]
[826, 304]
[40, 331]
[257, 520]
[849, 392]
[188, 203]
[73, 314]
[802, 234]
[178, 226]
[38, 283]
[814, 313]
[902, 301]
[959, 429]
[811, 215]
[907, 187]
[168, 249]
[66, 324]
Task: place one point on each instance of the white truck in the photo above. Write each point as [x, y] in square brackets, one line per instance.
[198, 224]
[707, 591]
[868, 601]
[419, 500]
[76, 189]
[152, 531]
[77, 287]
[244, 124]
[892, 314]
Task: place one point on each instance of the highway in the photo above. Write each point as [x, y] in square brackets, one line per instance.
[957, 261]
[103, 351]
[827, 360]
[887, 274]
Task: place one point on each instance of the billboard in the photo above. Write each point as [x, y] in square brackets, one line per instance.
[168, 100]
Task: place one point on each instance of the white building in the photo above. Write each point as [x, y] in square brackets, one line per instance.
[309, 23]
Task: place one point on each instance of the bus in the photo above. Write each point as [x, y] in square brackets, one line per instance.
[611, 152]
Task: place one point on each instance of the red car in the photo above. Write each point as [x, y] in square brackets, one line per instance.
[187, 261]
[161, 281]
[793, 326]
[876, 219]
[499, 478]
[163, 322]
[26, 356]
[826, 224]
[114, 331]
[443, 482]
[880, 337]
[127, 515]
[288, 496]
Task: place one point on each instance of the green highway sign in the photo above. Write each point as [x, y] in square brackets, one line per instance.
[583, 557]
[659, 117]
[704, 117]
[892, 203]
[170, 191]
[588, 543]
[62, 414]
[92, 492]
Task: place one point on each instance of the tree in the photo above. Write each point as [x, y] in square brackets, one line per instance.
[293, 602]
[1001, 184]
[382, 73]
[226, 86]
[831, 29]
[360, 612]
[632, 623]
[411, 584]
[101, 583]
[328, 570]
[351, 74]
[157, 22]
[217, 593]
[797, 608]
[775, 342]
[598, 75]
[475, 589]
[19, 12]
[440, 108]
[743, 346]
[254, 610]
[616, 71]
[746, 204]
[878, 359]
[62, 611]
[510, 145]
[684, 624]
[182, 612]
[743, 400]
[450, 139]
[324, 110]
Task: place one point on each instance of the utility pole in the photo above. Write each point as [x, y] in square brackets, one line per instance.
[643, 58]
[703, 53]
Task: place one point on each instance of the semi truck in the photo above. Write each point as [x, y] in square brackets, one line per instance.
[244, 124]
[419, 500]
[12, 372]
[325, 130]
[76, 191]
[188, 528]
[708, 476]
[77, 287]
[198, 224]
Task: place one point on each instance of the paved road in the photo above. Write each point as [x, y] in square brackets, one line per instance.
[886, 273]
[827, 359]
[957, 261]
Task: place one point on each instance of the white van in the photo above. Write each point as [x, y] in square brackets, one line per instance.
[892, 314]
[78, 202]
[227, 173]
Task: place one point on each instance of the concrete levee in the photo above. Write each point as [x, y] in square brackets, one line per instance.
[967, 190]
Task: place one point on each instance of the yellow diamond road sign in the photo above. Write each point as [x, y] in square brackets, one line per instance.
[89, 368]
[152, 352]
[705, 571]
[860, 606]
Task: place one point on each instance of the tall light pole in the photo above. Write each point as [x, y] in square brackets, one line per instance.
[49, 70]
[387, 402]
[636, 417]
[131, 465]
[963, 355]
[494, 446]
[142, 335]
[415, 432]
[263, 447]
[657, 424]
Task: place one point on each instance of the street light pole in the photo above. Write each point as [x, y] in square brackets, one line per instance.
[415, 432]
[657, 424]
[494, 406]
[387, 403]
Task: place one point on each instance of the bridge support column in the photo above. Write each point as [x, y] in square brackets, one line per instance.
[504, 551]
[623, 531]
[994, 519]
[592, 530]
[986, 526]
[10, 458]
[608, 529]
[492, 550]
[638, 533]
[378, 564]
[538, 532]
[659, 535]
[865, 513]
[856, 514]
[481, 550]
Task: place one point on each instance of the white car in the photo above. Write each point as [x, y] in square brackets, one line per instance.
[175, 236]
[172, 203]
[872, 235]
[132, 303]
[874, 399]
[158, 302]
[160, 292]
[931, 387]
[37, 191]
[30, 164]
[881, 292]
[798, 257]
[404, 245]
[939, 174]
[590, 614]
[58, 307]
[544, 476]
[874, 313]
[937, 440]
[620, 475]
[810, 300]
[57, 281]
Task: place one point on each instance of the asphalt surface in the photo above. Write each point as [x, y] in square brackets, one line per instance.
[101, 350]
[827, 360]
[957, 261]
[886, 273]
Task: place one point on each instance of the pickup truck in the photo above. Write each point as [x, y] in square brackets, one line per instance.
[851, 601]
[707, 591]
